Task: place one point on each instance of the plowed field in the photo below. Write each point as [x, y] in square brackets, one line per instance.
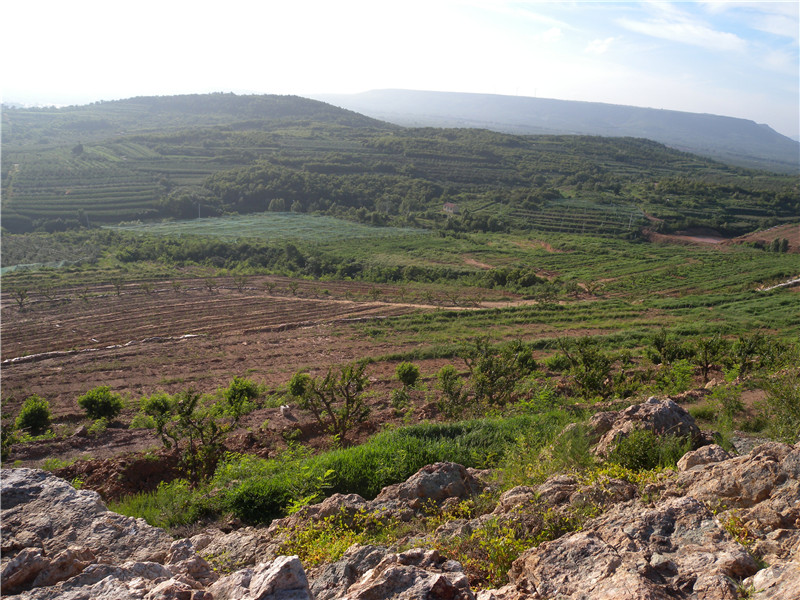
[139, 342]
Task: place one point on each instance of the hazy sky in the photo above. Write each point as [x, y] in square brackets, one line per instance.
[731, 58]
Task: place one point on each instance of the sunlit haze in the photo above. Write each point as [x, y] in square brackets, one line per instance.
[736, 59]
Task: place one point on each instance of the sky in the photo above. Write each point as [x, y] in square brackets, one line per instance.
[737, 59]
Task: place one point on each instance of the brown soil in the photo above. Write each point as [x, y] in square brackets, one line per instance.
[690, 237]
[790, 232]
[138, 343]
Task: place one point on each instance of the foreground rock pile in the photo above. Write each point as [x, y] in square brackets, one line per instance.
[720, 528]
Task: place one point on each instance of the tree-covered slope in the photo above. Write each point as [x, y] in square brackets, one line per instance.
[216, 154]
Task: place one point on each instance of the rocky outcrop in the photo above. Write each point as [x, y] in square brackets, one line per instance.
[281, 579]
[670, 551]
[705, 531]
[410, 575]
[53, 532]
[663, 417]
[702, 456]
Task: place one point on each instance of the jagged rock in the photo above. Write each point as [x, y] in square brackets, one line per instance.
[29, 499]
[333, 580]
[22, 569]
[433, 483]
[281, 579]
[183, 560]
[781, 580]
[663, 417]
[631, 553]
[64, 565]
[175, 589]
[131, 581]
[702, 456]
[744, 481]
[412, 575]
[507, 592]
[241, 548]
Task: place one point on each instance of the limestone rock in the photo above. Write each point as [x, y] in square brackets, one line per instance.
[411, 575]
[631, 552]
[333, 580]
[29, 499]
[281, 579]
[663, 417]
[712, 453]
[435, 483]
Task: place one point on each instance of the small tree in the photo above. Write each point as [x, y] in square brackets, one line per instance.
[707, 352]
[590, 367]
[494, 373]
[454, 396]
[408, 374]
[211, 284]
[100, 403]
[34, 416]
[240, 280]
[21, 297]
[336, 400]
[195, 425]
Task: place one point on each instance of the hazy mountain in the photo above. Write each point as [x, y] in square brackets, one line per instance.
[732, 140]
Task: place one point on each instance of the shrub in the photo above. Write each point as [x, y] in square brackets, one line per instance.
[703, 413]
[494, 373]
[408, 374]
[34, 416]
[194, 426]
[239, 396]
[557, 362]
[101, 402]
[172, 504]
[591, 367]
[727, 401]
[675, 377]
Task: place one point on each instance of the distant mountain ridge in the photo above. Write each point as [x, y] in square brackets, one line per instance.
[728, 139]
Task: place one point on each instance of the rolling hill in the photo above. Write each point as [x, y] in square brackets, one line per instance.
[217, 154]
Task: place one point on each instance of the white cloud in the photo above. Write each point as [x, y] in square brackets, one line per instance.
[552, 35]
[685, 32]
[600, 46]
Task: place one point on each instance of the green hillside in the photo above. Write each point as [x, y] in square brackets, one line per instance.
[209, 155]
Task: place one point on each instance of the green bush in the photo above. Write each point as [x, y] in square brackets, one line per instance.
[101, 402]
[643, 450]
[172, 504]
[703, 413]
[408, 374]
[239, 396]
[675, 377]
[34, 416]
[455, 398]
[557, 362]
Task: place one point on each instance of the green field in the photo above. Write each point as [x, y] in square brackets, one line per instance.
[272, 227]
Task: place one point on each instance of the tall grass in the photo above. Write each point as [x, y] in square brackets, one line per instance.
[259, 490]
